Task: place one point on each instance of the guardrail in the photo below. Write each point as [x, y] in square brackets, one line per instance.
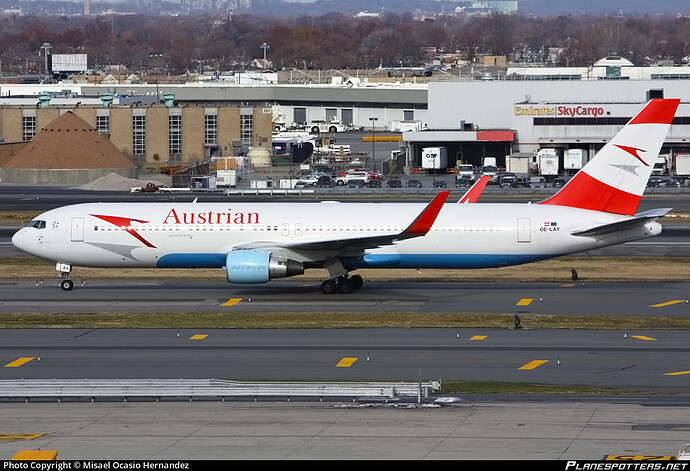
[156, 389]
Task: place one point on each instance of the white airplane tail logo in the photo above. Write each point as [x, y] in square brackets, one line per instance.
[615, 179]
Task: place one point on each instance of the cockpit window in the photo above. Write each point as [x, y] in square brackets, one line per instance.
[38, 224]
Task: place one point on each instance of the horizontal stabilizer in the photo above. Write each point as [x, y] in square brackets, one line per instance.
[637, 220]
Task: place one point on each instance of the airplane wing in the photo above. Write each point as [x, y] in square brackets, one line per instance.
[473, 193]
[637, 220]
[417, 228]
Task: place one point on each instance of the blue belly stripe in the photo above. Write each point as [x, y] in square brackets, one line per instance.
[215, 260]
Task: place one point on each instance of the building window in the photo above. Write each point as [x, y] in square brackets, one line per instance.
[139, 138]
[246, 129]
[103, 124]
[175, 137]
[211, 129]
[28, 127]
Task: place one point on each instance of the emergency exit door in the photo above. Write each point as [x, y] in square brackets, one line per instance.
[77, 229]
[524, 230]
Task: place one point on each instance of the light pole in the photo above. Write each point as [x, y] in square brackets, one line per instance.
[373, 159]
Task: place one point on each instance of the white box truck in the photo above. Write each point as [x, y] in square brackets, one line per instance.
[490, 168]
[434, 158]
[574, 159]
[682, 164]
[548, 161]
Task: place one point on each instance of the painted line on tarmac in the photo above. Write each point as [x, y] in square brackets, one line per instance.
[533, 364]
[668, 303]
[19, 362]
[346, 362]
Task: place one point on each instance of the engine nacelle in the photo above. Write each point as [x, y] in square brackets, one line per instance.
[254, 266]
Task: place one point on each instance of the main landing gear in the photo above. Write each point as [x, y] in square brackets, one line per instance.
[342, 284]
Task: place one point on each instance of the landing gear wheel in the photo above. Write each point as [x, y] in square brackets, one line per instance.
[356, 281]
[345, 286]
[328, 287]
[66, 285]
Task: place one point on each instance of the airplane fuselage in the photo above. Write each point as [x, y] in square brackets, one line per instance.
[199, 235]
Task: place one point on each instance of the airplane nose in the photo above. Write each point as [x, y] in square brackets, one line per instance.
[18, 239]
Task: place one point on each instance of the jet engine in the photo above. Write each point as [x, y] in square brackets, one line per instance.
[254, 266]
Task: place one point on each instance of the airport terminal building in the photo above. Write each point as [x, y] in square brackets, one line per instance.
[516, 112]
[479, 119]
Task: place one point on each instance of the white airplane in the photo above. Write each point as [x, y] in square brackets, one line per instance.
[259, 242]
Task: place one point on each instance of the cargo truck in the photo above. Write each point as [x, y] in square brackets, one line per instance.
[574, 159]
[491, 169]
[547, 159]
[682, 164]
[434, 158]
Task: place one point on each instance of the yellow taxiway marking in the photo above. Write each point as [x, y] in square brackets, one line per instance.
[19, 362]
[198, 337]
[232, 302]
[668, 303]
[677, 373]
[533, 364]
[567, 285]
[478, 337]
[20, 436]
[346, 362]
[525, 302]
[642, 337]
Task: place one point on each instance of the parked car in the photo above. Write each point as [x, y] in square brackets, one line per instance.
[508, 180]
[537, 182]
[394, 183]
[324, 182]
[464, 181]
[355, 183]
[306, 181]
[671, 183]
[413, 183]
[654, 181]
[558, 182]
[440, 184]
[360, 176]
[374, 184]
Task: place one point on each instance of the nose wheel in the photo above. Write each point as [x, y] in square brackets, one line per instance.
[65, 282]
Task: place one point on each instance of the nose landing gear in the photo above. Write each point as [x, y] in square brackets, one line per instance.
[65, 282]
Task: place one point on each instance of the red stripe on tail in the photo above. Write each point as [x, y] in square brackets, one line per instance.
[661, 111]
[585, 192]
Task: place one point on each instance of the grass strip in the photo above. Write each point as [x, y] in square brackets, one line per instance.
[328, 320]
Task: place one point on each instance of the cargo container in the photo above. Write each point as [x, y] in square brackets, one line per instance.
[434, 157]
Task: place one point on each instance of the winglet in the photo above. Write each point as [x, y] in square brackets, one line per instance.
[422, 224]
[473, 193]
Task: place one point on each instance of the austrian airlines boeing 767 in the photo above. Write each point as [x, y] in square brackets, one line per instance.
[259, 242]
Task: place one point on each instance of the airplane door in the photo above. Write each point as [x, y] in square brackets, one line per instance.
[298, 229]
[77, 229]
[524, 230]
[285, 229]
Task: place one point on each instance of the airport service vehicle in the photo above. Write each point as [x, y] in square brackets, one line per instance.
[434, 158]
[682, 164]
[548, 161]
[490, 168]
[257, 242]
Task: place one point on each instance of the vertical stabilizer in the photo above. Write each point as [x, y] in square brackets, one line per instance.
[616, 177]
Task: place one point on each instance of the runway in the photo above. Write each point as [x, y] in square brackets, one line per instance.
[628, 360]
[558, 298]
